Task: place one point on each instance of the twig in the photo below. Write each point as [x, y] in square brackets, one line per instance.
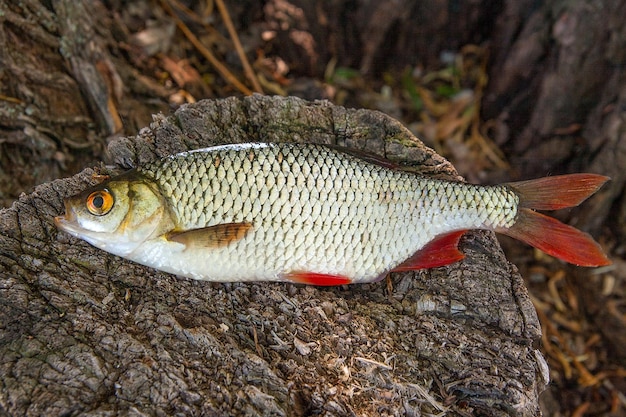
[429, 398]
[373, 362]
[11, 99]
[187, 11]
[585, 378]
[206, 52]
[242, 55]
[256, 342]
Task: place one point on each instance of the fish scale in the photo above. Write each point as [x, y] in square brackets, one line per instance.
[309, 184]
[312, 214]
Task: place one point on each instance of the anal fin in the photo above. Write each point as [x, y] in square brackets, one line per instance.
[314, 278]
[215, 236]
[443, 250]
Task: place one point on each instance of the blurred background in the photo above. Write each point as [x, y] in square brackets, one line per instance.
[505, 89]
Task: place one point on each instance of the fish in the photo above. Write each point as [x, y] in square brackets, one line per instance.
[313, 214]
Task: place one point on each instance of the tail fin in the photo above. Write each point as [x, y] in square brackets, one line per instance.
[548, 234]
[560, 191]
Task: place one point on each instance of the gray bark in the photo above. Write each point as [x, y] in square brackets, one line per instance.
[374, 35]
[64, 89]
[84, 332]
[557, 95]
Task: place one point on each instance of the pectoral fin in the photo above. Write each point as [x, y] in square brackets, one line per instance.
[215, 236]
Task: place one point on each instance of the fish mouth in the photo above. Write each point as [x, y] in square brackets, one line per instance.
[66, 222]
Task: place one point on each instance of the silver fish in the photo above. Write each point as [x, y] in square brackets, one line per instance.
[312, 214]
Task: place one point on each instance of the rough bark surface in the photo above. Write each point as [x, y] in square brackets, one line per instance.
[374, 35]
[85, 332]
[65, 87]
[558, 93]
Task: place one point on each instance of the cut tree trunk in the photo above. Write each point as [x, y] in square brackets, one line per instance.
[82, 331]
[88, 333]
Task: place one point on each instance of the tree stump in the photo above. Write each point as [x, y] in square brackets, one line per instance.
[85, 332]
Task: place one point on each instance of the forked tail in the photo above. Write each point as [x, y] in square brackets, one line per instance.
[548, 234]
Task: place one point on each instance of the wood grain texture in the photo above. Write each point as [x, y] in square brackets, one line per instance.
[85, 332]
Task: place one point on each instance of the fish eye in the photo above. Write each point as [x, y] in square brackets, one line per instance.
[100, 202]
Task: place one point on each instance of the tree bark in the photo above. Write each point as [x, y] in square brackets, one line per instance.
[558, 89]
[374, 36]
[558, 93]
[65, 88]
[85, 332]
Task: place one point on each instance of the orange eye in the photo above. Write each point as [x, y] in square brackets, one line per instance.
[100, 202]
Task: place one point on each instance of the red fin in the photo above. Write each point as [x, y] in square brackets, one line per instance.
[556, 239]
[314, 278]
[560, 191]
[443, 250]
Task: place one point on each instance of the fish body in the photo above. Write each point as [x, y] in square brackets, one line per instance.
[307, 213]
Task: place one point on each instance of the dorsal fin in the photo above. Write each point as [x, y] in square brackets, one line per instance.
[366, 156]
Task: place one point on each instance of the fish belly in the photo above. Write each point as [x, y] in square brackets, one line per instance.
[361, 242]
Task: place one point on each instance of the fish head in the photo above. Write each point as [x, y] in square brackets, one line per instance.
[116, 216]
